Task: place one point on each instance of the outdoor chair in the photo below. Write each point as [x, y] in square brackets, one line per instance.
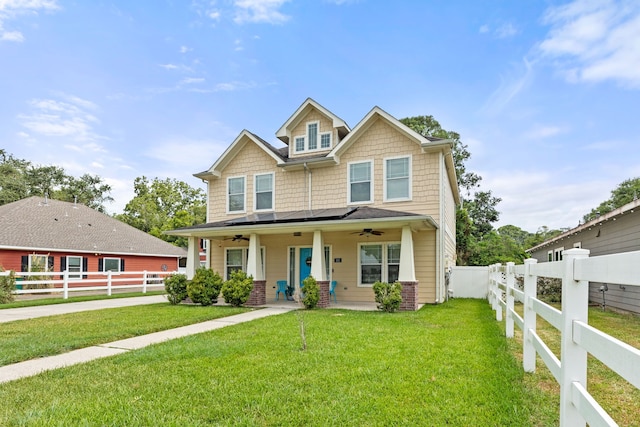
[282, 289]
[332, 291]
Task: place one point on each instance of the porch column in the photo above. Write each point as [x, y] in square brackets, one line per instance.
[258, 295]
[193, 256]
[319, 270]
[407, 273]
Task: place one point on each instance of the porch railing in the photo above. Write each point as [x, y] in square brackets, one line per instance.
[577, 406]
[64, 282]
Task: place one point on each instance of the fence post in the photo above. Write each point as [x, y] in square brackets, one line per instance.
[144, 282]
[510, 298]
[573, 358]
[65, 285]
[530, 291]
[497, 292]
[109, 283]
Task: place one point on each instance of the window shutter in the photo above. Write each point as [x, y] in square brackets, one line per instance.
[122, 264]
[85, 266]
[50, 261]
[24, 263]
[63, 263]
[100, 264]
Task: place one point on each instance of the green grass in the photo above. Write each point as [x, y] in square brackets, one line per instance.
[60, 300]
[27, 339]
[617, 396]
[443, 365]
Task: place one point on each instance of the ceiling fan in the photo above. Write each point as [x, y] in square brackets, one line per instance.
[368, 232]
[236, 238]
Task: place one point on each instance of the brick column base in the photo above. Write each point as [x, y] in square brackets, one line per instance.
[324, 300]
[258, 296]
[409, 296]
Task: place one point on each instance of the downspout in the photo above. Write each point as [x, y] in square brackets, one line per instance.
[440, 232]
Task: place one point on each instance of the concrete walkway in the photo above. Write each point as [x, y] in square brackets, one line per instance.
[35, 366]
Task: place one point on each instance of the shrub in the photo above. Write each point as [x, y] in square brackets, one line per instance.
[176, 287]
[237, 289]
[311, 292]
[7, 285]
[205, 286]
[388, 296]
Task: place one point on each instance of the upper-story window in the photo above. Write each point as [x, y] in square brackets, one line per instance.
[264, 192]
[397, 172]
[313, 137]
[235, 194]
[360, 182]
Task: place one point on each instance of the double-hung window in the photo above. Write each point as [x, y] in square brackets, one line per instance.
[74, 267]
[360, 182]
[235, 194]
[397, 172]
[264, 192]
[378, 262]
[236, 259]
[325, 140]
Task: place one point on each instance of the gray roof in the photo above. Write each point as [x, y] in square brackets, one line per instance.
[39, 224]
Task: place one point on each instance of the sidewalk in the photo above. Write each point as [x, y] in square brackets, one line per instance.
[35, 366]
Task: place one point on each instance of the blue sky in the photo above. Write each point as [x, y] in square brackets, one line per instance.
[546, 94]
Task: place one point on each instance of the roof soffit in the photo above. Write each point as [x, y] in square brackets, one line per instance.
[284, 133]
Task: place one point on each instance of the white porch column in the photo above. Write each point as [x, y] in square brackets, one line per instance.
[254, 262]
[193, 256]
[318, 268]
[407, 271]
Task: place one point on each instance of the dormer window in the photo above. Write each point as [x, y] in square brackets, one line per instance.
[313, 137]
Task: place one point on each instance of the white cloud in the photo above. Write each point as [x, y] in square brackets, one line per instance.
[68, 118]
[191, 80]
[10, 10]
[510, 86]
[260, 11]
[541, 131]
[595, 40]
[185, 49]
[506, 30]
[483, 29]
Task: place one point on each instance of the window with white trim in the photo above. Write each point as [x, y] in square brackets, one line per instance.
[263, 192]
[360, 182]
[299, 143]
[379, 262]
[397, 183]
[325, 140]
[558, 253]
[312, 135]
[111, 264]
[235, 194]
[550, 256]
[74, 267]
[38, 262]
[577, 245]
[236, 259]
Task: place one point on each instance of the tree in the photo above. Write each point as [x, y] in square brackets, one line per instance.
[161, 205]
[482, 211]
[624, 193]
[20, 179]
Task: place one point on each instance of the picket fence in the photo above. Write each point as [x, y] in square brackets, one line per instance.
[52, 282]
[577, 406]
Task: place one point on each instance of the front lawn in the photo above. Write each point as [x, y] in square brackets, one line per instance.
[443, 365]
[45, 336]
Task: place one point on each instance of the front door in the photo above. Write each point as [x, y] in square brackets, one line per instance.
[305, 263]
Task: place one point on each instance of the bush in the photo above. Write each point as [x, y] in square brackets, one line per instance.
[311, 292]
[176, 287]
[388, 296]
[7, 285]
[237, 289]
[205, 286]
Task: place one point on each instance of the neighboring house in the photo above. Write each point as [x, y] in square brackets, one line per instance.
[355, 206]
[615, 232]
[43, 234]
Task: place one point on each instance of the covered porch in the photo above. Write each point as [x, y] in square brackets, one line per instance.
[354, 247]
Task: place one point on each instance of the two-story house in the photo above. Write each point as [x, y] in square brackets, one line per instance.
[355, 206]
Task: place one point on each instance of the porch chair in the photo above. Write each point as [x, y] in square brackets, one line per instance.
[282, 289]
[332, 291]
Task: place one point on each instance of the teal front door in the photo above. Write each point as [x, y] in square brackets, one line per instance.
[305, 263]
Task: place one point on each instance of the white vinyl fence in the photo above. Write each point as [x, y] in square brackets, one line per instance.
[64, 282]
[577, 406]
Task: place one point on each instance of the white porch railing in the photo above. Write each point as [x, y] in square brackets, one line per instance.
[64, 282]
[577, 406]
